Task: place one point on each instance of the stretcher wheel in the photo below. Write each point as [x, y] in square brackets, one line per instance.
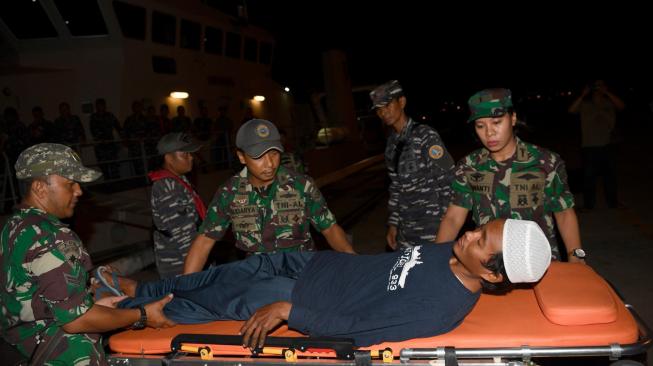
[387, 355]
[290, 355]
[206, 353]
[626, 363]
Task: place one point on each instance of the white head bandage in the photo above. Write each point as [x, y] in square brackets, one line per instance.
[526, 251]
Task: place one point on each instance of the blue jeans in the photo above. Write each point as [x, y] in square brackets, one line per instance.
[231, 291]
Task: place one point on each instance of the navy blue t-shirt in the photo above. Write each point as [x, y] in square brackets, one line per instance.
[394, 296]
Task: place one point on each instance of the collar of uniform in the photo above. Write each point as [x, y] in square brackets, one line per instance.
[522, 154]
[483, 156]
[407, 128]
[282, 177]
[37, 211]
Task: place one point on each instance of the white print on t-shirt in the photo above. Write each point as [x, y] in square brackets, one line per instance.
[399, 272]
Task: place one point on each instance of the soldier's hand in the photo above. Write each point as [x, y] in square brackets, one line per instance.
[391, 237]
[155, 316]
[264, 320]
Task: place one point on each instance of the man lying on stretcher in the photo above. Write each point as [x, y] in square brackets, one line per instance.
[416, 292]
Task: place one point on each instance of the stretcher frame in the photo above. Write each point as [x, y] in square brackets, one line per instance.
[282, 348]
[348, 355]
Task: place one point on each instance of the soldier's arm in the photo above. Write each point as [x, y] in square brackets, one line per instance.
[440, 166]
[116, 125]
[437, 157]
[567, 222]
[100, 318]
[80, 130]
[95, 129]
[199, 251]
[393, 200]
[451, 223]
[170, 212]
[337, 239]
[215, 224]
[391, 236]
[393, 190]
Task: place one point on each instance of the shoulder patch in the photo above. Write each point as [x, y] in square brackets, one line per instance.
[436, 151]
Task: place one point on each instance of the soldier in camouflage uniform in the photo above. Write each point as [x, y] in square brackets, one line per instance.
[510, 178]
[134, 129]
[69, 126]
[102, 125]
[269, 207]
[177, 210]
[47, 309]
[420, 170]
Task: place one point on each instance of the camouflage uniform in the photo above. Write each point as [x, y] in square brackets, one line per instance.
[180, 124]
[176, 220]
[134, 129]
[420, 170]
[293, 162]
[41, 131]
[531, 185]
[44, 286]
[203, 128]
[277, 220]
[102, 126]
[70, 129]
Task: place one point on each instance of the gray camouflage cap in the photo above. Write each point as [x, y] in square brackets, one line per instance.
[47, 159]
[385, 93]
[258, 136]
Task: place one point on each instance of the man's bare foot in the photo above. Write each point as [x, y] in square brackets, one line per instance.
[126, 285]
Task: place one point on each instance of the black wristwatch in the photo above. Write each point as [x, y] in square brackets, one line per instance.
[140, 323]
[578, 253]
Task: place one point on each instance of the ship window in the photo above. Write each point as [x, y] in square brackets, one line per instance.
[189, 34]
[250, 52]
[131, 19]
[83, 18]
[26, 19]
[265, 53]
[233, 45]
[164, 28]
[164, 65]
[213, 40]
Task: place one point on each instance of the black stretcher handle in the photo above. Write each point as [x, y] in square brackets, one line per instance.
[344, 347]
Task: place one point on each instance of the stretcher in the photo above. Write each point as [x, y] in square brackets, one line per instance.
[571, 312]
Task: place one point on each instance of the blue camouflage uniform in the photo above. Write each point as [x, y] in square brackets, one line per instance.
[421, 171]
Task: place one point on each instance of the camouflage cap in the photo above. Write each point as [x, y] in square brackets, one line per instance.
[177, 141]
[258, 136]
[385, 93]
[47, 159]
[489, 103]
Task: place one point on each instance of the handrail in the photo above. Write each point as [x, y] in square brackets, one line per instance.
[348, 170]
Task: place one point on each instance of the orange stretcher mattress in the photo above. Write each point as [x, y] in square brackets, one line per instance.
[571, 306]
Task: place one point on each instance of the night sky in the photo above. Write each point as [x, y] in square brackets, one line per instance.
[449, 52]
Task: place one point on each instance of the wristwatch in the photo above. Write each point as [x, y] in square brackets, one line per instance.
[140, 323]
[578, 253]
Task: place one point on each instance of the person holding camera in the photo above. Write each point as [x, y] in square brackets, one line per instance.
[597, 107]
